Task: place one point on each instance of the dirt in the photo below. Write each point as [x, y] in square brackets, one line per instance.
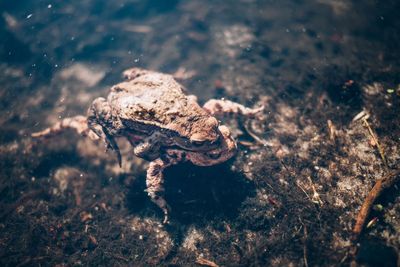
[291, 200]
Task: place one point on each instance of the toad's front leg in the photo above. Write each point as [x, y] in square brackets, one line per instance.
[155, 181]
[220, 107]
[147, 147]
[104, 125]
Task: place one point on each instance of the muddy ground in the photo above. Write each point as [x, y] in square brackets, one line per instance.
[290, 199]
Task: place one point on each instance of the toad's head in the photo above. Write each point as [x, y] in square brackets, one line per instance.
[225, 150]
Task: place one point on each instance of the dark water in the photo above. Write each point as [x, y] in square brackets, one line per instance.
[64, 201]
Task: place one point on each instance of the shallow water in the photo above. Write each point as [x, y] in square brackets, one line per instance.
[65, 201]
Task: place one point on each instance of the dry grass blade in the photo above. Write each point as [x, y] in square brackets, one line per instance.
[332, 130]
[375, 139]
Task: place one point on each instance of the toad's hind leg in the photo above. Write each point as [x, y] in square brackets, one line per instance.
[221, 107]
[77, 123]
[133, 73]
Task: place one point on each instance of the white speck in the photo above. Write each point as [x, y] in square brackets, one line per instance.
[287, 30]
[33, 179]
[96, 208]
[56, 65]
[250, 163]
[141, 237]
[304, 29]
[94, 195]
[29, 16]
[59, 117]
[49, 6]
[72, 38]
[316, 168]
[136, 60]
[81, 175]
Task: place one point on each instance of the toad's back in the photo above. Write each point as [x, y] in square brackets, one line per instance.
[157, 100]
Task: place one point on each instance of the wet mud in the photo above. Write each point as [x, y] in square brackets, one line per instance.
[326, 71]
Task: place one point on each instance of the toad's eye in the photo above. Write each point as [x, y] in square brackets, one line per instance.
[214, 155]
[198, 143]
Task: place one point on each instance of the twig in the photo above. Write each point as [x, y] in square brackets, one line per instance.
[304, 191]
[305, 245]
[315, 198]
[386, 182]
[205, 262]
[375, 139]
[375, 192]
[119, 257]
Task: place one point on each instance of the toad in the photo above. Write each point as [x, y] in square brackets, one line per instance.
[163, 124]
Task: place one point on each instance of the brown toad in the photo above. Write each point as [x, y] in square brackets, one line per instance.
[161, 122]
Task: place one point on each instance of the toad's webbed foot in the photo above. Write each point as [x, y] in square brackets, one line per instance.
[133, 73]
[155, 182]
[183, 74]
[99, 120]
[221, 107]
[77, 123]
[180, 74]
